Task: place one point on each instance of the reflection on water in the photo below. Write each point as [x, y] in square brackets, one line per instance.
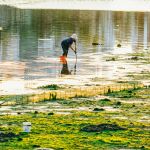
[30, 40]
[65, 69]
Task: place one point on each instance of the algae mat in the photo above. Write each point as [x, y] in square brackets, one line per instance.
[64, 131]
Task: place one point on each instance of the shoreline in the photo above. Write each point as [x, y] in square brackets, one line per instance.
[105, 5]
[79, 118]
[129, 73]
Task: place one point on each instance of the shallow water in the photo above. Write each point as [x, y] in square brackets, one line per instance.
[30, 45]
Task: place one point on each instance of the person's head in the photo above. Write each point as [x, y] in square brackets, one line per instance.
[74, 36]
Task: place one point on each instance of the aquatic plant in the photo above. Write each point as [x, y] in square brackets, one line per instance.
[50, 87]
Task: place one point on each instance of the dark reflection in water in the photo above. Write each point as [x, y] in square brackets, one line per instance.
[65, 69]
[29, 37]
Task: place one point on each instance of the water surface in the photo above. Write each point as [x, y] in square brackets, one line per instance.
[30, 44]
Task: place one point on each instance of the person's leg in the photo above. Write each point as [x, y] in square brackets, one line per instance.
[65, 50]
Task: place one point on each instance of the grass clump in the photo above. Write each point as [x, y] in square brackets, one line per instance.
[123, 94]
[50, 87]
[105, 102]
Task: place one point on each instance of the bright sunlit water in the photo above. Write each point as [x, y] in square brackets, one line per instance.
[30, 44]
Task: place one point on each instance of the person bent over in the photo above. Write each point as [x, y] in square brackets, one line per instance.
[67, 43]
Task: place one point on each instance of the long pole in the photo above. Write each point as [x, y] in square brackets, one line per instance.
[75, 62]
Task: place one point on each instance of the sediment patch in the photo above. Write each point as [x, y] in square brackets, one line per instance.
[102, 127]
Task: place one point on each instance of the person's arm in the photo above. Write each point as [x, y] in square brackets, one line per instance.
[73, 48]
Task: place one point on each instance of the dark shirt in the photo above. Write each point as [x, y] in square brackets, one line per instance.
[68, 42]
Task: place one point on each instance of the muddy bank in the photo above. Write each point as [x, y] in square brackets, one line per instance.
[114, 69]
[102, 127]
[56, 92]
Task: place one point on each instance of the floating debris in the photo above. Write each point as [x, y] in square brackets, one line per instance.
[134, 58]
[94, 43]
[118, 45]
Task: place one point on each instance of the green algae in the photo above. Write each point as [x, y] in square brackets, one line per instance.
[59, 131]
[51, 87]
[124, 93]
[63, 131]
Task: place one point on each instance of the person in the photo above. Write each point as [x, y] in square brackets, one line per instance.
[67, 43]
